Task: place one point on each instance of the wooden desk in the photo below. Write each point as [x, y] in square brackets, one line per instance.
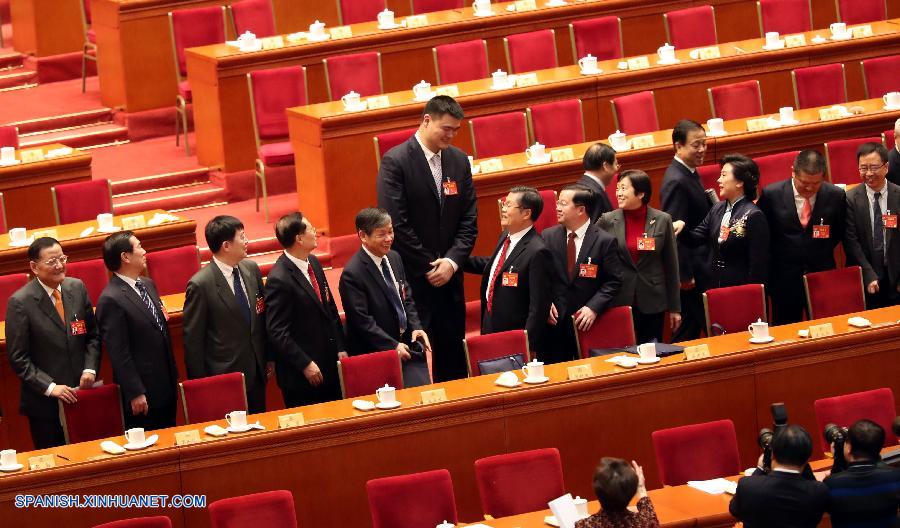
[612, 413]
[26, 186]
[46, 27]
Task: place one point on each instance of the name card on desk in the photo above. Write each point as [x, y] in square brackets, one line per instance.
[286, 421]
[640, 142]
[756, 125]
[822, 330]
[827, 114]
[525, 5]
[269, 43]
[696, 352]
[861, 31]
[491, 165]
[31, 156]
[130, 223]
[415, 21]
[562, 154]
[638, 63]
[580, 372]
[341, 32]
[526, 79]
[434, 396]
[45, 233]
[711, 52]
[794, 41]
[379, 101]
[451, 89]
[184, 438]
[42, 462]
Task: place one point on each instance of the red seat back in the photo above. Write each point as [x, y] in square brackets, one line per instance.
[548, 213]
[535, 50]
[834, 292]
[775, 167]
[709, 175]
[270, 508]
[736, 101]
[861, 11]
[889, 139]
[363, 374]
[820, 86]
[255, 16]
[419, 499]
[272, 92]
[92, 273]
[139, 522]
[520, 482]
[785, 16]
[732, 309]
[635, 113]
[840, 156]
[614, 328]
[3, 227]
[429, 6]
[97, 414]
[557, 123]
[356, 11]
[880, 75]
[600, 37]
[171, 269]
[81, 201]
[9, 136]
[877, 405]
[473, 319]
[499, 134]
[692, 27]
[696, 452]
[195, 27]
[492, 346]
[357, 72]
[461, 61]
[9, 284]
[211, 398]
[388, 140]
[342, 248]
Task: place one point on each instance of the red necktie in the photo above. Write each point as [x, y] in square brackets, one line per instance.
[570, 254]
[497, 270]
[314, 282]
[805, 213]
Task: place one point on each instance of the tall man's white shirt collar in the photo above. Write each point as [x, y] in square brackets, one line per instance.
[129, 281]
[579, 233]
[515, 237]
[679, 160]
[50, 290]
[303, 265]
[428, 153]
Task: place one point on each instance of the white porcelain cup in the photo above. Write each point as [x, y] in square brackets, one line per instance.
[350, 100]
[7, 154]
[581, 506]
[892, 99]
[534, 369]
[838, 29]
[17, 235]
[386, 394]
[786, 114]
[618, 141]
[759, 329]
[422, 90]
[247, 41]
[666, 53]
[317, 29]
[8, 458]
[647, 350]
[135, 435]
[482, 7]
[588, 64]
[772, 39]
[716, 126]
[237, 419]
[500, 79]
[536, 152]
[386, 18]
[105, 221]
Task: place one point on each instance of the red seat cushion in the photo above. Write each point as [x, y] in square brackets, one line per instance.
[417, 500]
[255, 16]
[835, 292]
[82, 201]
[599, 37]
[736, 101]
[692, 27]
[876, 405]
[841, 158]
[212, 397]
[785, 16]
[428, 6]
[614, 328]
[195, 27]
[92, 273]
[532, 51]
[91, 36]
[97, 414]
[820, 85]
[496, 345]
[731, 309]
[139, 522]
[558, 123]
[171, 269]
[356, 11]
[358, 72]
[462, 61]
[273, 91]
[499, 134]
[258, 510]
[184, 90]
[273, 154]
[636, 113]
[775, 167]
[9, 284]
[520, 482]
[881, 75]
[696, 452]
[361, 375]
[861, 11]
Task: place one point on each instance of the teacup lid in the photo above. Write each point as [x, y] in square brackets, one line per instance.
[617, 133]
[423, 83]
[387, 387]
[317, 23]
[445, 524]
[386, 10]
[499, 71]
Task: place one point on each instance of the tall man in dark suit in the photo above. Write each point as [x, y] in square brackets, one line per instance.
[375, 292]
[224, 313]
[893, 175]
[587, 272]
[516, 281]
[806, 218]
[51, 341]
[425, 184]
[303, 322]
[683, 197]
[133, 327]
[873, 237]
[600, 167]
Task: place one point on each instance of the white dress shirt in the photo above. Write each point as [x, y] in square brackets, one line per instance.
[49, 291]
[377, 260]
[579, 237]
[303, 265]
[870, 194]
[679, 160]
[228, 271]
[799, 201]
[513, 240]
[129, 281]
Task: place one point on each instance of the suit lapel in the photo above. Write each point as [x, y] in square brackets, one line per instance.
[46, 304]
[304, 283]
[377, 276]
[862, 206]
[587, 245]
[135, 299]
[520, 247]
[790, 206]
[225, 292]
[893, 204]
[252, 293]
[618, 219]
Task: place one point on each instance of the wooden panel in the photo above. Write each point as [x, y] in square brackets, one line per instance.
[46, 27]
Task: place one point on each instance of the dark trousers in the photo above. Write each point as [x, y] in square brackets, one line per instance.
[788, 301]
[256, 398]
[442, 312]
[157, 418]
[693, 317]
[327, 391]
[886, 296]
[559, 342]
[46, 432]
[648, 327]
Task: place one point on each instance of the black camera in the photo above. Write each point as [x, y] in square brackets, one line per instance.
[779, 418]
[836, 436]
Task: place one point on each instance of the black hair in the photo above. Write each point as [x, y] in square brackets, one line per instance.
[641, 183]
[615, 483]
[867, 148]
[288, 227]
[40, 244]
[113, 247]
[744, 170]
[866, 439]
[792, 445]
[530, 199]
[221, 229]
[810, 162]
[582, 197]
[598, 154]
[682, 129]
[371, 218]
[440, 105]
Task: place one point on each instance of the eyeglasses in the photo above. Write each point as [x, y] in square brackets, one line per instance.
[509, 205]
[871, 168]
[60, 260]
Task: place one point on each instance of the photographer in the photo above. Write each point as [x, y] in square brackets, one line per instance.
[782, 497]
[867, 493]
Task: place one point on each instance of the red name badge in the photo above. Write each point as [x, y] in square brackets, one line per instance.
[450, 188]
[723, 233]
[510, 279]
[164, 311]
[646, 243]
[889, 221]
[260, 306]
[587, 271]
[78, 327]
[821, 231]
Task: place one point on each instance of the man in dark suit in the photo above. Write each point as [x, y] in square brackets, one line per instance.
[516, 281]
[133, 327]
[784, 497]
[873, 237]
[303, 322]
[51, 341]
[224, 313]
[806, 217]
[600, 167]
[425, 184]
[587, 272]
[683, 197]
[376, 294]
[894, 157]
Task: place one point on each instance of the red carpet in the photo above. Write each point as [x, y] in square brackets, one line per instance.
[142, 158]
[49, 100]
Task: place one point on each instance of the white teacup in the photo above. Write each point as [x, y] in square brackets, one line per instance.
[892, 99]
[536, 152]
[386, 394]
[716, 126]
[534, 369]
[386, 18]
[482, 7]
[839, 30]
[773, 39]
[135, 435]
[647, 351]
[237, 419]
[17, 235]
[247, 41]
[350, 100]
[666, 53]
[105, 221]
[422, 90]
[588, 64]
[786, 114]
[8, 458]
[618, 141]
[759, 329]
[581, 506]
[501, 79]
[317, 29]
[7, 154]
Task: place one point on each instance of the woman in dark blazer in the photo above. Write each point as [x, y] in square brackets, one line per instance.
[735, 229]
[646, 244]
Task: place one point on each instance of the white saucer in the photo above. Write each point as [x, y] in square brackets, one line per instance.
[859, 322]
[595, 71]
[507, 87]
[392, 26]
[476, 13]
[627, 364]
[310, 37]
[556, 3]
[891, 108]
[627, 148]
[233, 429]
[773, 48]
[363, 405]
[539, 161]
[113, 229]
[788, 123]
[149, 441]
[26, 242]
[715, 134]
[668, 63]
[535, 381]
[14, 467]
[10, 163]
[649, 361]
[392, 405]
[359, 108]
[761, 340]
[425, 99]
[818, 39]
[848, 37]
[508, 385]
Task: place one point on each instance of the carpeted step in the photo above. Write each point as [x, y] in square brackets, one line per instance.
[10, 59]
[53, 106]
[77, 137]
[174, 199]
[17, 77]
[159, 181]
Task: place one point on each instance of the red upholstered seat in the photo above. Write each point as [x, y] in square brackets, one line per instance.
[428, 6]
[272, 92]
[195, 27]
[557, 123]
[97, 414]
[819, 86]
[709, 175]
[548, 213]
[613, 328]
[8, 286]
[388, 140]
[880, 75]
[876, 405]
[9, 136]
[461, 61]
[412, 501]
[840, 156]
[784, 16]
[889, 139]
[361, 375]
[255, 16]
[211, 398]
[775, 167]
[600, 37]
[81, 201]
[184, 90]
[356, 11]
[358, 72]
[139, 522]
[635, 113]
[834, 292]
[499, 134]
[692, 27]
[275, 154]
[736, 101]
[94, 275]
[730, 310]
[91, 36]
[520, 482]
[171, 269]
[258, 510]
[861, 11]
[473, 319]
[535, 50]
[492, 346]
[696, 452]
[342, 248]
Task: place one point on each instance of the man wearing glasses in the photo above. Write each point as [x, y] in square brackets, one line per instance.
[872, 240]
[51, 340]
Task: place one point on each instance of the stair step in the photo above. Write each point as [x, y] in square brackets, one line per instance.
[11, 59]
[82, 136]
[179, 198]
[64, 121]
[160, 181]
[17, 77]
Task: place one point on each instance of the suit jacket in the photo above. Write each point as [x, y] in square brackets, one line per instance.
[858, 243]
[42, 350]
[301, 328]
[893, 175]
[527, 305]
[743, 258]
[140, 353]
[794, 250]
[217, 338]
[372, 321]
[779, 500]
[683, 197]
[652, 284]
[602, 203]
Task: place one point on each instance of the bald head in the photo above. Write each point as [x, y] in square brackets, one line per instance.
[896, 130]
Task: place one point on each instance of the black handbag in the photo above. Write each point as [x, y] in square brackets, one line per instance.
[501, 364]
[415, 369]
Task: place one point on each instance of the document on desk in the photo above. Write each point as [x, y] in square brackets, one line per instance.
[715, 486]
[564, 510]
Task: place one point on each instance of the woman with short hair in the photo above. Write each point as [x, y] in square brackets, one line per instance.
[615, 483]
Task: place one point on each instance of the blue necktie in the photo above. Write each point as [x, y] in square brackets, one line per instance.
[146, 298]
[395, 296]
[239, 294]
